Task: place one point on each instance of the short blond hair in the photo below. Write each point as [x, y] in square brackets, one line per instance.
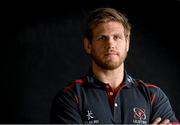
[103, 15]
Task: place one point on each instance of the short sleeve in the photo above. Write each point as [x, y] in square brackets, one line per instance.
[161, 107]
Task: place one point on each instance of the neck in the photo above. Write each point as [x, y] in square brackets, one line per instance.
[112, 77]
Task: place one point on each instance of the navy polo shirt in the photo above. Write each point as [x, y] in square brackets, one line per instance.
[88, 100]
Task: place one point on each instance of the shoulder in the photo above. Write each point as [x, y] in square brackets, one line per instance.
[72, 87]
[150, 88]
[75, 83]
[147, 85]
[68, 94]
[155, 93]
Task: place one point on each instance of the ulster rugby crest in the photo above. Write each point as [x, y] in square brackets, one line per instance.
[139, 116]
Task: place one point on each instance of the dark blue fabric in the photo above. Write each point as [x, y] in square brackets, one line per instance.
[87, 102]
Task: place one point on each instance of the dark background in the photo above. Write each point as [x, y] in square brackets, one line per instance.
[43, 51]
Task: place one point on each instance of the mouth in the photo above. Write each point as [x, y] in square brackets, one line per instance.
[111, 54]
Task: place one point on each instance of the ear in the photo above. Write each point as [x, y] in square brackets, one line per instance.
[87, 46]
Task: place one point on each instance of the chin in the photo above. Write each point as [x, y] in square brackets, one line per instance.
[111, 65]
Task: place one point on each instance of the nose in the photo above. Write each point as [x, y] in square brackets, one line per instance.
[110, 43]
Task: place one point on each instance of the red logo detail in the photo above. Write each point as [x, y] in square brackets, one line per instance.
[139, 113]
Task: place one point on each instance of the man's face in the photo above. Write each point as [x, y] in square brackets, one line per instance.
[109, 46]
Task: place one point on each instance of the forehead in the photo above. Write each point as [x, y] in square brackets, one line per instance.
[108, 28]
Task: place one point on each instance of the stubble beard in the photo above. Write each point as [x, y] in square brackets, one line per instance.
[106, 63]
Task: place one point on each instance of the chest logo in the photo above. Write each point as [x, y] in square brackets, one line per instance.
[139, 115]
[89, 114]
[90, 118]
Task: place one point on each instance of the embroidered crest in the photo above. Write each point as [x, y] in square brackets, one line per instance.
[139, 115]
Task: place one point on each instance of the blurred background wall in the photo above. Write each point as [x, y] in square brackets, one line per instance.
[43, 51]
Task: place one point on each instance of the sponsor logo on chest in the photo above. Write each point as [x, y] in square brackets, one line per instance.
[90, 118]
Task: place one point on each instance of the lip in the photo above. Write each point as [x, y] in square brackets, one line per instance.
[111, 53]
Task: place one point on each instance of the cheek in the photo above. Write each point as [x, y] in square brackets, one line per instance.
[98, 48]
[124, 44]
[97, 52]
[122, 48]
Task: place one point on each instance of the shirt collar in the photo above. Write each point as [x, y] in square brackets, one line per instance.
[127, 80]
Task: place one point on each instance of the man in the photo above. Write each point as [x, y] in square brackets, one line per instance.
[107, 94]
